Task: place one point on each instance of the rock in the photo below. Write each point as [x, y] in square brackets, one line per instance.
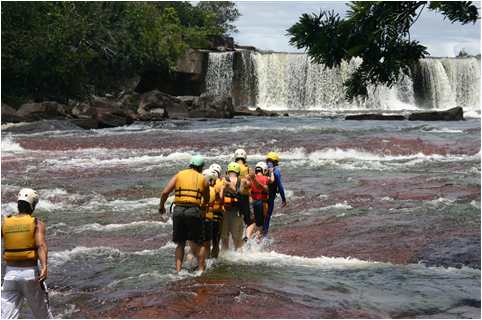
[221, 43]
[9, 114]
[104, 102]
[212, 107]
[112, 117]
[43, 125]
[244, 111]
[286, 114]
[454, 114]
[42, 110]
[83, 111]
[374, 116]
[86, 123]
[157, 105]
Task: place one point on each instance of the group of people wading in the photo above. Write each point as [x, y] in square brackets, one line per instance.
[211, 207]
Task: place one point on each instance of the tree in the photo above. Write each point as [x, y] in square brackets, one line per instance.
[62, 50]
[224, 13]
[376, 31]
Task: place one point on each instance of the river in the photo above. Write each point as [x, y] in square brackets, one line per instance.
[383, 219]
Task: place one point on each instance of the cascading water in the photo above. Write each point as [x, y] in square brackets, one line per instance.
[219, 76]
[281, 81]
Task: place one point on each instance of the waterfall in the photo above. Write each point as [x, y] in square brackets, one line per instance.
[290, 81]
[219, 75]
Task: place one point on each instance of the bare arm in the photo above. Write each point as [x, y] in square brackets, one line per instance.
[206, 193]
[42, 249]
[165, 194]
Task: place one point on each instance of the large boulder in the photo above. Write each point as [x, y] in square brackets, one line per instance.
[83, 111]
[454, 114]
[212, 107]
[244, 111]
[43, 110]
[112, 117]
[157, 105]
[374, 116]
[9, 114]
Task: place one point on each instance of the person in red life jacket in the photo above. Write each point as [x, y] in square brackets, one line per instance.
[259, 195]
[24, 243]
[191, 195]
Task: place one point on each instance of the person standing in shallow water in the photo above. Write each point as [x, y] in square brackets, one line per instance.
[24, 243]
[191, 195]
[259, 194]
[240, 157]
[272, 160]
[233, 219]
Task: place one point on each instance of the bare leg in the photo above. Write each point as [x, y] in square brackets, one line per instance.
[179, 255]
[203, 250]
[250, 230]
[226, 244]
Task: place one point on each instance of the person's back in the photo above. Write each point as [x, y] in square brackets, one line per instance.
[233, 220]
[24, 243]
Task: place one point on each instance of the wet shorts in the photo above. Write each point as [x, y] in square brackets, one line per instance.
[187, 224]
[244, 209]
[207, 230]
[258, 209]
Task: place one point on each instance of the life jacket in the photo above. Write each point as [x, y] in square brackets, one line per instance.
[19, 238]
[210, 209]
[218, 206]
[243, 170]
[258, 193]
[189, 187]
[231, 199]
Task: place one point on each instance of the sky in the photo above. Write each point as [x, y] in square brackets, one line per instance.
[264, 24]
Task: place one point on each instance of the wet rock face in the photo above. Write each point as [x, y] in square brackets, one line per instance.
[211, 107]
[42, 110]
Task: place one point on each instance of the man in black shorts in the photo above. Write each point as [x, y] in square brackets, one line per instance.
[191, 193]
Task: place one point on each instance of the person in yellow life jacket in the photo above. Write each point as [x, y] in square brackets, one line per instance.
[23, 244]
[261, 178]
[233, 219]
[210, 176]
[191, 193]
[240, 157]
[218, 210]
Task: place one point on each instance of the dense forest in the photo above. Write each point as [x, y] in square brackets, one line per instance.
[69, 50]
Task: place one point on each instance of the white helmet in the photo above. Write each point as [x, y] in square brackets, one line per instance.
[216, 168]
[240, 154]
[262, 165]
[28, 195]
[210, 174]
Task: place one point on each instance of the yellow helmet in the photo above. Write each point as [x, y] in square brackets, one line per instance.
[273, 156]
[234, 167]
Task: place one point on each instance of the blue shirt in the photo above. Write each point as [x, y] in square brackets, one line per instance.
[277, 186]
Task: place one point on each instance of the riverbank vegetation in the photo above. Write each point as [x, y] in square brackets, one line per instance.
[69, 50]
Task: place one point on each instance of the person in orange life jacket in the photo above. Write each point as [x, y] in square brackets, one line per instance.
[233, 220]
[191, 194]
[218, 210]
[272, 160]
[209, 221]
[240, 157]
[24, 243]
[259, 195]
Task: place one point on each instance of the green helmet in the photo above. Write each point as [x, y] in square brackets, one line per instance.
[234, 167]
[197, 161]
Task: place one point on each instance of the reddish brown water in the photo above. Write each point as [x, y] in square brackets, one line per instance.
[368, 201]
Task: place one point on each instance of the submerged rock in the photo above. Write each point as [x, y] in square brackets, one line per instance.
[374, 116]
[454, 114]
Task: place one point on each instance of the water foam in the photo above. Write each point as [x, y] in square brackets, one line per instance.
[118, 226]
[9, 145]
